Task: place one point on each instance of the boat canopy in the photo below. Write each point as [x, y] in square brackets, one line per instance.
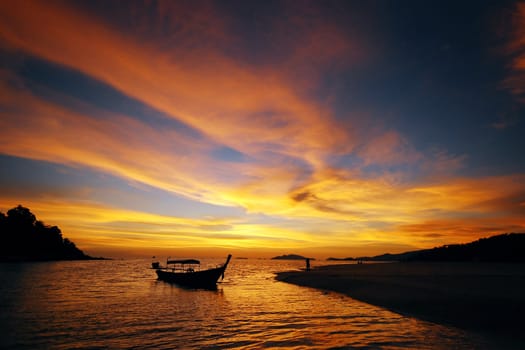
[186, 261]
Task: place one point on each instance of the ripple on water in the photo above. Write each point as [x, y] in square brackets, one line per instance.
[119, 304]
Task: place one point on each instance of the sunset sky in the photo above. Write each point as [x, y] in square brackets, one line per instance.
[322, 128]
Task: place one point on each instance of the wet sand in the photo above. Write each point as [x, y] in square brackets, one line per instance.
[476, 296]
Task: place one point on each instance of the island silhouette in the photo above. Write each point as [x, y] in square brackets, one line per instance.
[291, 257]
[24, 238]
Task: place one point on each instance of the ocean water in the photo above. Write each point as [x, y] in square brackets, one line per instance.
[120, 305]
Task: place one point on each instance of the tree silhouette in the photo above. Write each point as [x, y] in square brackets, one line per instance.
[23, 237]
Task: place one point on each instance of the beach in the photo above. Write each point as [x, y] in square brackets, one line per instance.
[488, 297]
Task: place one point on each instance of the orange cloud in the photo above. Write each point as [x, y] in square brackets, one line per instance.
[125, 147]
[260, 112]
[389, 148]
[338, 204]
[253, 111]
[140, 153]
[377, 208]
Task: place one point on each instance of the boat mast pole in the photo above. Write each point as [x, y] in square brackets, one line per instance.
[225, 264]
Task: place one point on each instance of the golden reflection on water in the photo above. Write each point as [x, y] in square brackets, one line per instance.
[120, 304]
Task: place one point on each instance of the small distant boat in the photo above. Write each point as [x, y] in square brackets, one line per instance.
[188, 273]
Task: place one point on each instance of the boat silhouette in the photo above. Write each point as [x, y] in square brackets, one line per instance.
[187, 273]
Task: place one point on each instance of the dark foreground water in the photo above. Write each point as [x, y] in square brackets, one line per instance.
[121, 305]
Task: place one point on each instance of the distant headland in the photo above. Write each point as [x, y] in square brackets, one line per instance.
[24, 238]
[508, 247]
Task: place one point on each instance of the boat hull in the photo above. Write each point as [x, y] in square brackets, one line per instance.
[198, 279]
[205, 279]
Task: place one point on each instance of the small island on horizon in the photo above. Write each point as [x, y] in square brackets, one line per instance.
[27, 239]
[291, 257]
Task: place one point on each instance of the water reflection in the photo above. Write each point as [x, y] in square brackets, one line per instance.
[120, 304]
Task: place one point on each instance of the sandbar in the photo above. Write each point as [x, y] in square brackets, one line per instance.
[476, 296]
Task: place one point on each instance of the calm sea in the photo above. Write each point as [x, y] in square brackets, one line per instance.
[121, 305]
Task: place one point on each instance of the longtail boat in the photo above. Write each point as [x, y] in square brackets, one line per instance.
[188, 273]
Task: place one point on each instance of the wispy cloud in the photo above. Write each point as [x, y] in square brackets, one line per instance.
[389, 148]
[515, 82]
[255, 110]
[116, 144]
[259, 110]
